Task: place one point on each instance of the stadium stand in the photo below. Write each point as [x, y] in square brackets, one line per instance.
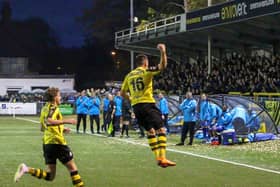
[235, 73]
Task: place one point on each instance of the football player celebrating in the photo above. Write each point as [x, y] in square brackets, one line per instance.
[54, 144]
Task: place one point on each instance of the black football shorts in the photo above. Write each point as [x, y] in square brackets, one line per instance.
[52, 152]
[148, 116]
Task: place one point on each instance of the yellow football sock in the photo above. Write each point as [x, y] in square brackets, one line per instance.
[39, 173]
[153, 142]
[76, 179]
[162, 145]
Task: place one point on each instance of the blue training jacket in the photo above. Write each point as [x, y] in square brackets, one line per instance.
[205, 114]
[163, 106]
[118, 101]
[225, 120]
[188, 106]
[94, 106]
[215, 112]
[81, 104]
[253, 121]
[106, 102]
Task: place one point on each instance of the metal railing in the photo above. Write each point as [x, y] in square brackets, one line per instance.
[153, 26]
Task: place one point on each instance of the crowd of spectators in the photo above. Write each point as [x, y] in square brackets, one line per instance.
[69, 98]
[232, 73]
[25, 98]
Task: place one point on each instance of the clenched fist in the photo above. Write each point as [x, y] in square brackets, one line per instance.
[161, 47]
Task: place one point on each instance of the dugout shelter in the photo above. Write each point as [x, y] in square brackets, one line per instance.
[238, 106]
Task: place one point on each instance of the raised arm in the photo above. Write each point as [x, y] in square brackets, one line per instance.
[163, 57]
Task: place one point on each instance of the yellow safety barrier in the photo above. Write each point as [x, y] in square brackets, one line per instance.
[256, 94]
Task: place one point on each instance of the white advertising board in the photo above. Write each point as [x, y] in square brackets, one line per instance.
[16, 84]
[18, 108]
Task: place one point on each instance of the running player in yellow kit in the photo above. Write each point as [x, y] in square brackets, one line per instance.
[54, 144]
[139, 82]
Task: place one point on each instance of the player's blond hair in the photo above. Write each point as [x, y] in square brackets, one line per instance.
[51, 93]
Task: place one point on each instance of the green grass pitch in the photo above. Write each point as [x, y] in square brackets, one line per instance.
[112, 162]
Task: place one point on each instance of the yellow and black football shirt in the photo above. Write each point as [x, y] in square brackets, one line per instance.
[139, 82]
[53, 134]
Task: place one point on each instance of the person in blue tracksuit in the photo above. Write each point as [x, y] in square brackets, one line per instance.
[253, 122]
[118, 113]
[94, 112]
[106, 102]
[188, 106]
[223, 123]
[82, 110]
[163, 107]
[205, 115]
[215, 113]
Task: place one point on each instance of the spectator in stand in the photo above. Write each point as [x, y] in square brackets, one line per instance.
[188, 106]
[247, 74]
[94, 112]
[163, 107]
[82, 110]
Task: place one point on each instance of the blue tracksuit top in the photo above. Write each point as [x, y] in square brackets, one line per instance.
[106, 104]
[81, 104]
[163, 106]
[188, 106]
[253, 121]
[94, 106]
[215, 112]
[225, 120]
[205, 109]
[118, 101]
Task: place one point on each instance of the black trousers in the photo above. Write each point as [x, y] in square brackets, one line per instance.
[104, 126]
[95, 118]
[186, 127]
[124, 128]
[84, 118]
[108, 120]
[142, 131]
[116, 124]
[165, 121]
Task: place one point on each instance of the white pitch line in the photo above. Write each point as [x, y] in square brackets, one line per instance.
[186, 153]
[30, 120]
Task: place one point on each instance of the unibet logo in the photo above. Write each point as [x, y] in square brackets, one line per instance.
[233, 11]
